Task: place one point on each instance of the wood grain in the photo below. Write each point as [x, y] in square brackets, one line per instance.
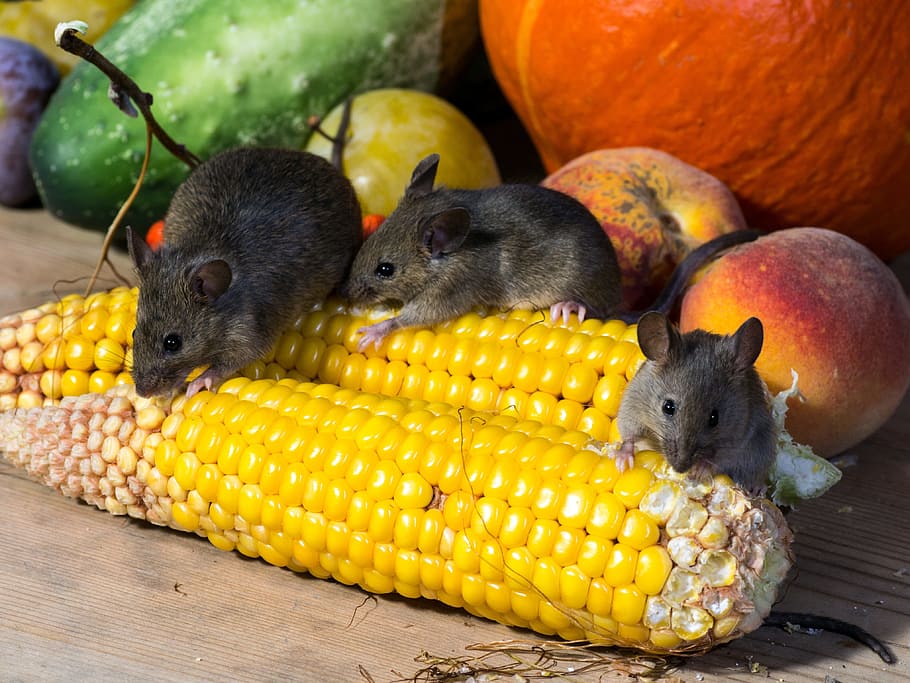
[88, 596]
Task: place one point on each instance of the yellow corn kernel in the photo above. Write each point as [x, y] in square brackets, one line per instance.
[607, 515]
[79, 353]
[638, 530]
[632, 485]
[652, 569]
[621, 565]
[74, 383]
[628, 604]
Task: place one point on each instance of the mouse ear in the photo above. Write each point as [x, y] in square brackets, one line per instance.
[656, 335]
[445, 231]
[423, 177]
[747, 343]
[140, 251]
[210, 280]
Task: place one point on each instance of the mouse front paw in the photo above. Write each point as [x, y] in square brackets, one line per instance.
[623, 455]
[205, 381]
[374, 334]
[564, 309]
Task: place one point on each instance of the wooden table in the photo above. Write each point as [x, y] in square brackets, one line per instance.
[86, 596]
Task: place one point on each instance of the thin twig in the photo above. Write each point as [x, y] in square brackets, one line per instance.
[338, 140]
[72, 43]
[111, 231]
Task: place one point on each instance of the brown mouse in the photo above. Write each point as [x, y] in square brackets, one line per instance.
[699, 400]
[442, 252]
[253, 237]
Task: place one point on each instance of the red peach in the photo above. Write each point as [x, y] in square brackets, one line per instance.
[654, 207]
[832, 311]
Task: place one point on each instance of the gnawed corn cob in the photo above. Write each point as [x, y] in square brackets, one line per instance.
[523, 523]
[519, 362]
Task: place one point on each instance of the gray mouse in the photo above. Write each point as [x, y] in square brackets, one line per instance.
[442, 252]
[253, 237]
[700, 401]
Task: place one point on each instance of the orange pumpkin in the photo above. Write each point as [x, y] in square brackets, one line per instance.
[802, 107]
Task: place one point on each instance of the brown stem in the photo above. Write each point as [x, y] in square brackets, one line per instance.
[122, 83]
[337, 140]
[109, 237]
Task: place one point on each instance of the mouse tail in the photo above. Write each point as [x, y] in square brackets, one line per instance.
[697, 258]
[796, 621]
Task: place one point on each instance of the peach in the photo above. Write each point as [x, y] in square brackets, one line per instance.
[832, 311]
[655, 208]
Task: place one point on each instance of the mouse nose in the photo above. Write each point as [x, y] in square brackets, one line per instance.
[148, 384]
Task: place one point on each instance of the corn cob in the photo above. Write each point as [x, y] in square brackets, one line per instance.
[567, 374]
[559, 542]
[516, 521]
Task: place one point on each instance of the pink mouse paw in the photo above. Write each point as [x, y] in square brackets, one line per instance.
[204, 381]
[564, 309]
[624, 456]
[374, 334]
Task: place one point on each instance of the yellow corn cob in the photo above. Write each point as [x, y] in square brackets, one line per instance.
[566, 374]
[520, 522]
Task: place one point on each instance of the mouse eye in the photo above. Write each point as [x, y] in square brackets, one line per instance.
[172, 343]
[385, 269]
[669, 407]
[713, 418]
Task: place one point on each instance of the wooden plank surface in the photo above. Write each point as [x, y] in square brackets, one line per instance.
[86, 596]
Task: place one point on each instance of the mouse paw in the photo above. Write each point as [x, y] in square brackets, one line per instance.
[374, 334]
[201, 383]
[623, 456]
[564, 309]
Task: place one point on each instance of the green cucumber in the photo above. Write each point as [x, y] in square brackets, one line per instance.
[225, 73]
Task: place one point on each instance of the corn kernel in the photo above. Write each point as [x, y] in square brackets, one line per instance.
[628, 604]
[542, 536]
[632, 485]
[579, 383]
[577, 505]
[184, 517]
[714, 534]
[429, 531]
[545, 577]
[690, 623]
[652, 569]
[382, 521]
[621, 565]
[548, 501]
[458, 509]
[566, 544]
[74, 383]
[633, 633]
[687, 518]
[607, 515]
[600, 597]
[487, 517]
[682, 586]
[525, 604]
[638, 530]
[717, 568]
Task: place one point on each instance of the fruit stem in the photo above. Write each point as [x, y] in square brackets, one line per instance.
[121, 85]
[338, 139]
